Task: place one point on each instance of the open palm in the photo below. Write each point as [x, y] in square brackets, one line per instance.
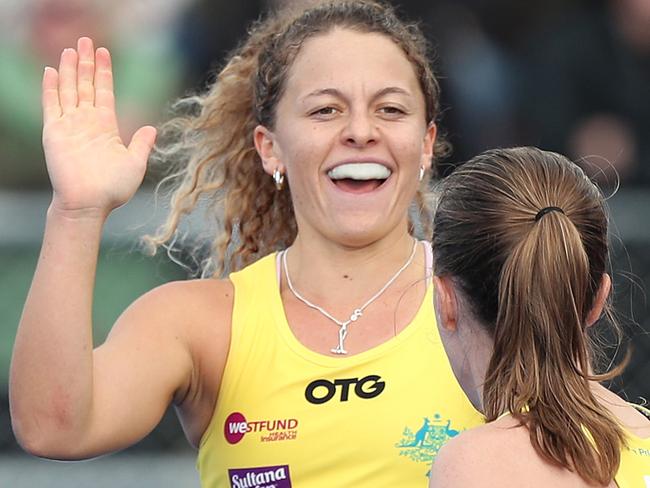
[90, 167]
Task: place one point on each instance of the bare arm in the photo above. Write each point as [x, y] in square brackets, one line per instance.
[66, 400]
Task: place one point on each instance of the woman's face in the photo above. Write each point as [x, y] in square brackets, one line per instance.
[351, 136]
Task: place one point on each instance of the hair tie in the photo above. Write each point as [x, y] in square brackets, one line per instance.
[546, 210]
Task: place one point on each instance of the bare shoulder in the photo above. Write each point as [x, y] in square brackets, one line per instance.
[629, 416]
[183, 328]
[498, 454]
[208, 292]
[202, 310]
[186, 305]
[482, 456]
[194, 313]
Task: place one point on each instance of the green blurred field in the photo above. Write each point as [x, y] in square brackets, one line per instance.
[123, 275]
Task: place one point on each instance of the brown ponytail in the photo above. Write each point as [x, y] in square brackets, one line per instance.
[532, 282]
[208, 147]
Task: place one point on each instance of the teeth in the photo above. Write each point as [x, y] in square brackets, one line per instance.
[359, 171]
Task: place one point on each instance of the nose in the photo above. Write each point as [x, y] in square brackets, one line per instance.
[360, 129]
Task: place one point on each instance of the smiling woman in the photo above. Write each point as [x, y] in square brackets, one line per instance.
[369, 117]
[317, 360]
[280, 68]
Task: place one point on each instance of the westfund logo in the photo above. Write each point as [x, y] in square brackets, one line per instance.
[236, 427]
[322, 391]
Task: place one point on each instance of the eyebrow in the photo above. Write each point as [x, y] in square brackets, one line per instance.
[337, 93]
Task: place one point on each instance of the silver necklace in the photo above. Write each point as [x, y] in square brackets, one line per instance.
[357, 313]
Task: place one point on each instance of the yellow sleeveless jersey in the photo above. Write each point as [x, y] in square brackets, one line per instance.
[634, 471]
[289, 417]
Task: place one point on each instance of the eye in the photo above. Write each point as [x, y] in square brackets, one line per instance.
[392, 110]
[325, 111]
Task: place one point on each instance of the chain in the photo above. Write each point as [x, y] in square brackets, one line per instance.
[357, 312]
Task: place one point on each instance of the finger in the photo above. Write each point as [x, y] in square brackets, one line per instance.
[86, 71]
[142, 143]
[68, 80]
[104, 96]
[50, 95]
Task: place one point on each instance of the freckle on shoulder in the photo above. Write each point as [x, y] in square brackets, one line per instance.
[194, 297]
[198, 288]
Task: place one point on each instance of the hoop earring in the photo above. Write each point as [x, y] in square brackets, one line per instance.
[278, 178]
[421, 173]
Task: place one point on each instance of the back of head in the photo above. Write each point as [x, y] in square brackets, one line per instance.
[210, 145]
[523, 234]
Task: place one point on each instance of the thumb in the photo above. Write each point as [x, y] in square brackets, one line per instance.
[142, 142]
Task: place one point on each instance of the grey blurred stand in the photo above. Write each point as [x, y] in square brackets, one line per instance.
[116, 471]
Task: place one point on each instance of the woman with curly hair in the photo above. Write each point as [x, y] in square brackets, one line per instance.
[316, 359]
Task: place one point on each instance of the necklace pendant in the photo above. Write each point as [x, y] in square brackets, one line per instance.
[356, 315]
[343, 332]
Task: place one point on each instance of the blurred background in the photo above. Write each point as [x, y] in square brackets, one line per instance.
[570, 75]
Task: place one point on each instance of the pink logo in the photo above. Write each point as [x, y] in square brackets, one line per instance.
[235, 427]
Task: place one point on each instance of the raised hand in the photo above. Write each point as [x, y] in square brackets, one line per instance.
[91, 169]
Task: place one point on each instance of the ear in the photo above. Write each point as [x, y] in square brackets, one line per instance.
[600, 300]
[266, 147]
[445, 302]
[427, 146]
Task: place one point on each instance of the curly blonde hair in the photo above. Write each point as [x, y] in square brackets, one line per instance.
[208, 146]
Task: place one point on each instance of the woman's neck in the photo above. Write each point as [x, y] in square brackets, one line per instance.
[331, 272]
[469, 349]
